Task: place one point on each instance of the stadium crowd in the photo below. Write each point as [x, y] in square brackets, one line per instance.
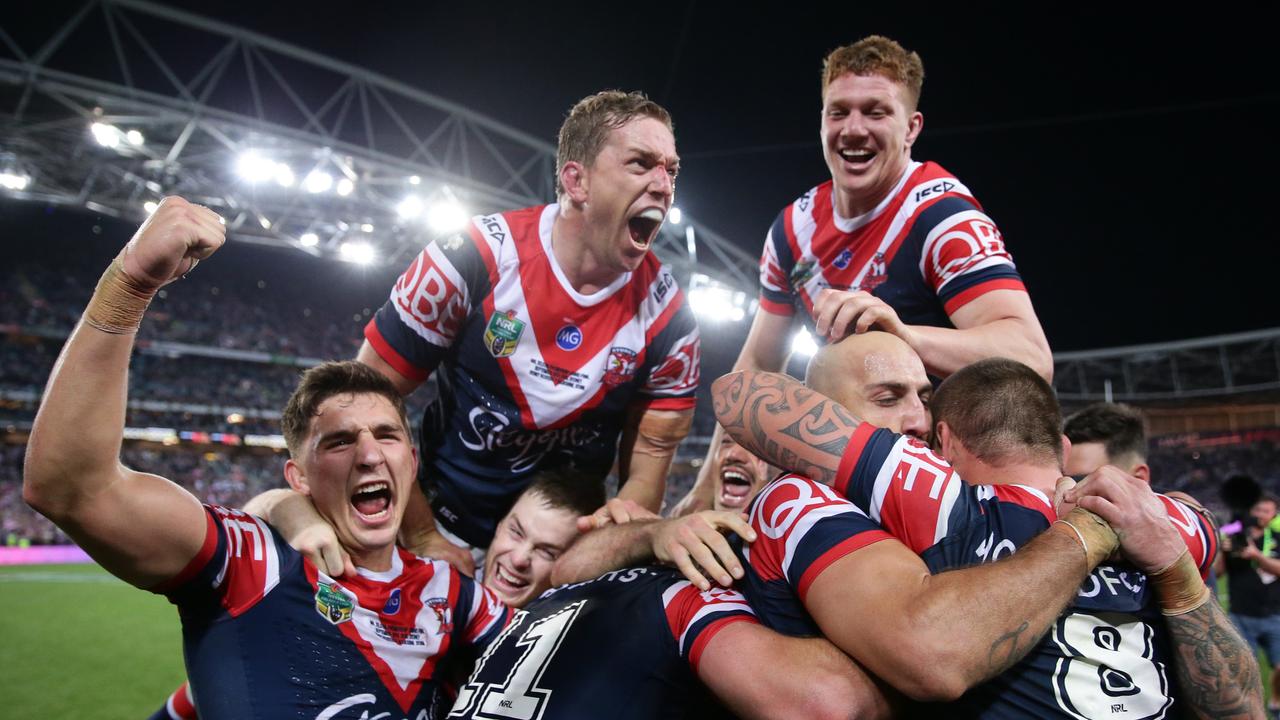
[562, 348]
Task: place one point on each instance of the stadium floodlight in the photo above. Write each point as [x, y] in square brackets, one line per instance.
[317, 181]
[284, 175]
[265, 223]
[150, 206]
[715, 301]
[803, 344]
[675, 215]
[106, 134]
[309, 239]
[13, 180]
[255, 168]
[345, 186]
[446, 216]
[135, 138]
[361, 253]
[367, 227]
[235, 418]
[414, 180]
[410, 207]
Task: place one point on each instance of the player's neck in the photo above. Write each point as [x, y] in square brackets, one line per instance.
[572, 250]
[849, 205]
[373, 560]
[1043, 477]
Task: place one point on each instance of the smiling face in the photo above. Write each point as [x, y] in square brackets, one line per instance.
[626, 191]
[868, 128]
[878, 378]
[529, 540]
[357, 464]
[738, 476]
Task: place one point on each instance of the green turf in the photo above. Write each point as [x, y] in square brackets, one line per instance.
[77, 643]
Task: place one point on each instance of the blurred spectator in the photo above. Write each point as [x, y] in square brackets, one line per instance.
[1251, 560]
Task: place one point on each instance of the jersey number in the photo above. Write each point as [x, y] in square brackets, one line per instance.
[1108, 669]
[518, 696]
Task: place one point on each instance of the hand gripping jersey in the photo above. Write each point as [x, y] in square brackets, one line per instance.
[536, 374]
[266, 635]
[1107, 656]
[625, 645]
[926, 250]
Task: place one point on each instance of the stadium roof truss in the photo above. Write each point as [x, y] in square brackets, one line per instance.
[1218, 368]
[177, 98]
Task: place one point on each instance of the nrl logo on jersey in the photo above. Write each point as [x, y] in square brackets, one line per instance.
[332, 604]
[802, 272]
[620, 367]
[503, 333]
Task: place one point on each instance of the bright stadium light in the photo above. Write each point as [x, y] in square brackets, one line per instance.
[675, 215]
[446, 216]
[284, 175]
[106, 135]
[135, 138]
[360, 253]
[410, 207]
[715, 301]
[265, 223]
[255, 168]
[803, 344]
[317, 181]
[367, 227]
[414, 180]
[12, 180]
[345, 186]
[150, 206]
[309, 239]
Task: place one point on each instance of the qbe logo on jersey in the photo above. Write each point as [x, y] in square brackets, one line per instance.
[568, 337]
[503, 333]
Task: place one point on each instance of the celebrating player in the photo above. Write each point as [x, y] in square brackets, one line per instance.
[266, 634]
[998, 422]
[558, 332]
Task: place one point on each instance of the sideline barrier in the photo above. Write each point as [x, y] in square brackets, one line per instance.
[43, 555]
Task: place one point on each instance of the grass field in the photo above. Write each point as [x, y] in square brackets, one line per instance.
[77, 643]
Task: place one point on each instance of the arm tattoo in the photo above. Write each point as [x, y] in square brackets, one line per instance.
[1007, 650]
[1216, 669]
[784, 422]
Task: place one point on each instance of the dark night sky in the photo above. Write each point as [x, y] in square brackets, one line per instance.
[1126, 157]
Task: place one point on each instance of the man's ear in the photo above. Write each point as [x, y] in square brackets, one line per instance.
[1066, 450]
[1142, 471]
[575, 181]
[944, 441]
[295, 477]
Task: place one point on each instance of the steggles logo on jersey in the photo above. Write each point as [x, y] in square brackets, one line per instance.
[620, 367]
[523, 449]
[503, 333]
[332, 604]
[569, 337]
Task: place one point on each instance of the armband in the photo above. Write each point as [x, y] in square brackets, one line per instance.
[118, 302]
[1095, 536]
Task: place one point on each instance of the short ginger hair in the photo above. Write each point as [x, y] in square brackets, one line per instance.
[877, 55]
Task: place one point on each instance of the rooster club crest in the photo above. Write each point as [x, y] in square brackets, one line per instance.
[332, 604]
[444, 615]
[503, 333]
[620, 366]
[876, 274]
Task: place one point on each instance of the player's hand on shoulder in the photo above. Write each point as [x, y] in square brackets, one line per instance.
[840, 313]
[1139, 518]
[435, 546]
[170, 243]
[697, 546]
[616, 511]
[320, 545]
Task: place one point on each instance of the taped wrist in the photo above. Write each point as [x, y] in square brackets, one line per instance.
[1095, 536]
[118, 302]
[1179, 586]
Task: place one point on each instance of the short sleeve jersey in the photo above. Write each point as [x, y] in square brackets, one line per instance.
[536, 374]
[625, 645]
[927, 250]
[1108, 655]
[266, 635]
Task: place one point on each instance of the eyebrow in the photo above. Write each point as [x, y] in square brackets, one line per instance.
[656, 157]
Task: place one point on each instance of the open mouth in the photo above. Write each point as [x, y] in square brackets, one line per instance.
[857, 157]
[506, 581]
[644, 227]
[735, 488]
[372, 501]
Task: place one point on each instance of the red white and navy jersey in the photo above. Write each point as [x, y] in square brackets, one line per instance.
[927, 249]
[801, 527]
[625, 645]
[266, 635]
[537, 374]
[1108, 655]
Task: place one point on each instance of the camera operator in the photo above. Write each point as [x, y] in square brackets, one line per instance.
[1251, 559]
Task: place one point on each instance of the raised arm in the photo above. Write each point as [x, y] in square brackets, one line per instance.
[784, 423]
[649, 442]
[141, 527]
